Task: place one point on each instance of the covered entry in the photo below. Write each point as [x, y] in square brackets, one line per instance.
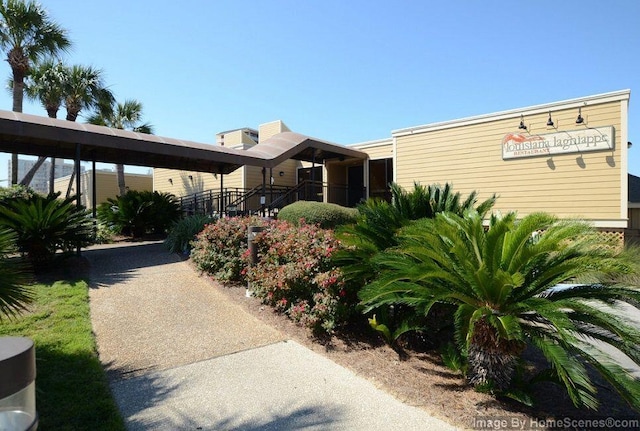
[44, 136]
[349, 182]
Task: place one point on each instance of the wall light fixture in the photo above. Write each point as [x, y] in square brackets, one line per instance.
[550, 121]
[522, 126]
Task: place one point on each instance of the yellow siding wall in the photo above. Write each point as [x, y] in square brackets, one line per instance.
[377, 151]
[243, 178]
[106, 186]
[237, 137]
[289, 167]
[267, 130]
[181, 184]
[470, 157]
[253, 176]
[234, 180]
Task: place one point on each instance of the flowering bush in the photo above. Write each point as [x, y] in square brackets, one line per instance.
[295, 276]
[220, 249]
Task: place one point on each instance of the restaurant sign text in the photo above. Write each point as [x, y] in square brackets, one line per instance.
[518, 145]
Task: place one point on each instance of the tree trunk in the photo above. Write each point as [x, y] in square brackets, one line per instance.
[70, 186]
[14, 168]
[18, 96]
[121, 184]
[72, 115]
[52, 175]
[32, 172]
[52, 111]
[18, 91]
[492, 360]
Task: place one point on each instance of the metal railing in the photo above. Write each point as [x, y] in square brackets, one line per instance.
[265, 201]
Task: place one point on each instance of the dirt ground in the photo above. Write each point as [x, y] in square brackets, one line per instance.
[421, 380]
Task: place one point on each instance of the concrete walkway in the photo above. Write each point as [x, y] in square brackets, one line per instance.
[181, 356]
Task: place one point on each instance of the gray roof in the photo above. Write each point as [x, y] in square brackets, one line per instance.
[44, 136]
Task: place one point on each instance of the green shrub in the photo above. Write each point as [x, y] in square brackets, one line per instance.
[16, 191]
[104, 234]
[295, 276]
[184, 231]
[165, 211]
[14, 294]
[221, 248]
[504, 282]
[45, 225]
[138, 213]
[376, 230]
[325, 215]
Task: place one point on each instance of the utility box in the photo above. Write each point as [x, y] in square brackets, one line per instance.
[17, 384]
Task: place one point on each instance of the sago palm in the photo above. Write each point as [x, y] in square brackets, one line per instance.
[139, 212]
[504, 282]
[379, 221]
[14, 290]
[426, 202]
[45, 225]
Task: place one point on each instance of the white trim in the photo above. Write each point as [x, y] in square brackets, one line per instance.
[605, 224]
[365, 173]
[395, 160]
[371, 144]
[515, 113]
[633, 205]
[614, 224]
[624, 157]
[325, 183]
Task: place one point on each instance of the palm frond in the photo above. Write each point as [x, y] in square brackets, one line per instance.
[14, 277]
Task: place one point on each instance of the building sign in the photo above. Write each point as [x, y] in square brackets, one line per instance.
[518, 145]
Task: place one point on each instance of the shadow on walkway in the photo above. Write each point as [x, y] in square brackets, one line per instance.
[307, 418]
[114, 263]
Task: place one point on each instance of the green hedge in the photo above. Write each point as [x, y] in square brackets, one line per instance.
[326, 215]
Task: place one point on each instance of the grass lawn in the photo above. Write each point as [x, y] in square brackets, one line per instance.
[72, 391]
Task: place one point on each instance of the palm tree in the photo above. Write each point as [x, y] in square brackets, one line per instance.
[504, 283]
[46, 83]
[26, 34]
[84, 89]
[127, 115]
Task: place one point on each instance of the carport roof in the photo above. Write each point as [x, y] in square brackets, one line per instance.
[44, 136]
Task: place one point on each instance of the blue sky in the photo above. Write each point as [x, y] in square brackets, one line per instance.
[349, 71]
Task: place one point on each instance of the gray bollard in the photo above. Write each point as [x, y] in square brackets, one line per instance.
[17, 384]
[252, 231]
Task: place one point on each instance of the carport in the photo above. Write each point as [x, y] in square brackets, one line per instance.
[43, 136]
